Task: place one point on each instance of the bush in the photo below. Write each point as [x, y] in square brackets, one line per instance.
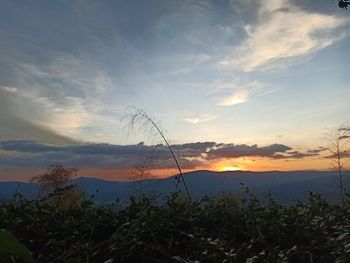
[218, 229]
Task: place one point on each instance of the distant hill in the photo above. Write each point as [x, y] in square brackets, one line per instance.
[284, 186]
[8, 189]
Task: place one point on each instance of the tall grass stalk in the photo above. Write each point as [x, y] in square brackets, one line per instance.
[138, 117]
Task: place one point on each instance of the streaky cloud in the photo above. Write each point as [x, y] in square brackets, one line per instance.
[283, 33]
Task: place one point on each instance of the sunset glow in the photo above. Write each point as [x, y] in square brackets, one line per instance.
[174, 130]
[234, 85]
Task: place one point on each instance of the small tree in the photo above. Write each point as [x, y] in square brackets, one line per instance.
[55, 189]
[142, 173]
[338, 140]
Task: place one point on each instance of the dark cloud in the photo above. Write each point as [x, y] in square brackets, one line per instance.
[318, 150]
[83, 149]
[293, 155]
[27, 147]
[35, 154]
[31, 154]
[244, 150]
[193, 149]
[138, 150]
[15, 128]
[335, 156]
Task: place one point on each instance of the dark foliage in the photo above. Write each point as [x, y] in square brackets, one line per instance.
[221, 229]
[343, 4]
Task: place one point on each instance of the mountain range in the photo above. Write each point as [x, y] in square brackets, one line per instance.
[285, 187]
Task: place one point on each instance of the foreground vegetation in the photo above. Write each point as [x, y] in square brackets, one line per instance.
[220, 229]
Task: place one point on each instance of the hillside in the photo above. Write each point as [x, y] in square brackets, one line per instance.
[284, 186]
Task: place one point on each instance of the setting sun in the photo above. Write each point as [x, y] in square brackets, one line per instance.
[231, 168]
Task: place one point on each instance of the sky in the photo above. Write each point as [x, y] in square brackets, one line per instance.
[234, 85]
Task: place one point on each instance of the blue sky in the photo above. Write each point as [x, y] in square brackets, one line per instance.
[244, 72]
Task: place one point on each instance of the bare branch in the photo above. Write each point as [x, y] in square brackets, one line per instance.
[338, 140]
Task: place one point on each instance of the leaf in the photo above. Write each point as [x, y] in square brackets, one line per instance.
[341, 237]
[179, 259]
[10, 246]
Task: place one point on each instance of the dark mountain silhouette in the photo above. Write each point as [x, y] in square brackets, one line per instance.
[284, 186]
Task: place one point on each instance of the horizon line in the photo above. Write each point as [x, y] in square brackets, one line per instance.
[194, 171]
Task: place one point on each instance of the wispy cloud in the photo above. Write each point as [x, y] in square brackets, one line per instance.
[67, 75]
[238, 91]
[33, 118]
[236, 98]
[65, 117]
[62, 95]
[283, 33]
[200, 118]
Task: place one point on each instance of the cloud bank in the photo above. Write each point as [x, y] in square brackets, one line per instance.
[31, 154]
